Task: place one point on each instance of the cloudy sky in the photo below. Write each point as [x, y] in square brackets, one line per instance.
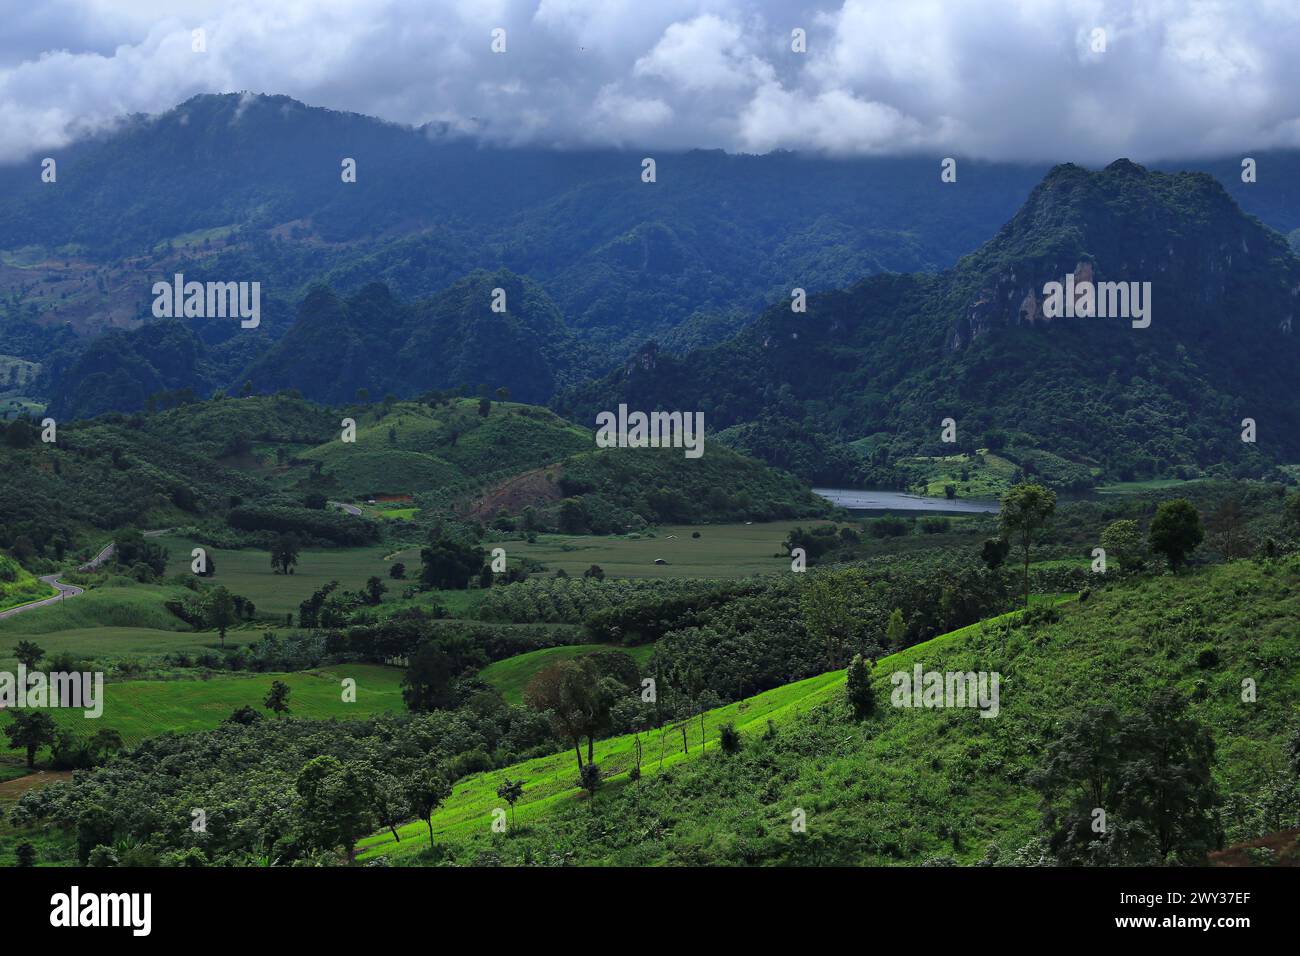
[993, 79]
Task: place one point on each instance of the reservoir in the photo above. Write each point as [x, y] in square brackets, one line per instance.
[868, 500]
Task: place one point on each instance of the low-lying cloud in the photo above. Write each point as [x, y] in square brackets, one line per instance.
[1177, 78]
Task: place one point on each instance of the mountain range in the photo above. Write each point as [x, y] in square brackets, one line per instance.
[671, 294]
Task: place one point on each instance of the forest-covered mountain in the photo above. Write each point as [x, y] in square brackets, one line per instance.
[882, 363]
[250, 187]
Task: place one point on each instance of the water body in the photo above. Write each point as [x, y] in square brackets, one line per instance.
[866, 499]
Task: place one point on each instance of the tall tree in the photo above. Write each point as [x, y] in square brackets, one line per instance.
[30, 730]
[333, 809]
[426, 789]
[284, 553]
[1026, 510]
[221, 611]
[28, 653]
[277, 698]
[1176, 531]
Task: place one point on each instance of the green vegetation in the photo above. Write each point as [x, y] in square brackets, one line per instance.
[913, 785]
[512, 675]
[18, 586]
[139, 710]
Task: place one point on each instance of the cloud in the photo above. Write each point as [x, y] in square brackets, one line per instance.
[1017, 80]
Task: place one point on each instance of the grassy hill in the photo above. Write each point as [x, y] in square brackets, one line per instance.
[908, 785]
[411, 447]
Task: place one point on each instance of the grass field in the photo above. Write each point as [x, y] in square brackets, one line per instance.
[248, 572]
[141, 709]
[1136, 487]
[721, 551]
[119, 643]
[136, 605]
[512, 675]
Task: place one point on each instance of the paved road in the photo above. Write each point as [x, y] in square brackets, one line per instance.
[71, 590]
[350, 509]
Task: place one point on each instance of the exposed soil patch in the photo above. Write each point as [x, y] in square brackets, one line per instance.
[1274, 849]
[536, 488]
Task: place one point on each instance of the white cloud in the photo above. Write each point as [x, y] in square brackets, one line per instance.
[1011, 80]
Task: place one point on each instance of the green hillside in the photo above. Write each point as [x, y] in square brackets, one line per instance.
[411, 448]
[907, 785]
[18, 586]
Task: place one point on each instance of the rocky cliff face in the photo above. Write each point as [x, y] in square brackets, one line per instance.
[1180, 232]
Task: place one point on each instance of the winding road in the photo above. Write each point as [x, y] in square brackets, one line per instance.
[71, 590]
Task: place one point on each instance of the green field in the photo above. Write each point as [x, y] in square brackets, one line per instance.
[134, 606]
[141, 709]
[1136, 487]
[248, 572]
[721, 551]
[512, 675]
[103, 644]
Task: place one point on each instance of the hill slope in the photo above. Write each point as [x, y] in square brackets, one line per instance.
[913, 784]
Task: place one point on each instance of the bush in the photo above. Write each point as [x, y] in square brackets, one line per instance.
[729, 738]
[1207, 657]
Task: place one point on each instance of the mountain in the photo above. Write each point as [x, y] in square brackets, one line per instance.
[249, 187]
[883, 362]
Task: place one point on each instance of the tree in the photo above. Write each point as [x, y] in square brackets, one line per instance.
[429, 681]
[25, 854]
[510, 791]
[375, 589]
[448, 563]
[426, 789]
[1148, 772]
[397, 571]
[284, 553]
[1175, 531]
[857, 687]
[387, 799]
[579, 699]
[896, 631]
[221, 612]
[595, 571]
[1026, 510]
[827, 613]
[1226, 531]
[994, 552]
[32, 730]
[333, 810]
[28, 653]
[1122, 542]
[277, 698]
